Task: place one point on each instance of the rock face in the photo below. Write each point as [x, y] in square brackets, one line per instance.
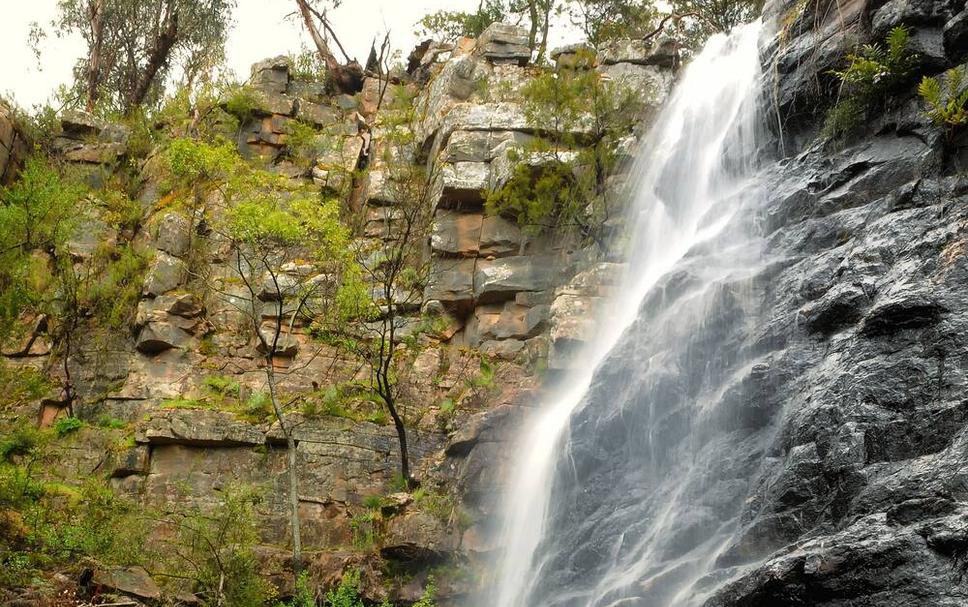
[13, 145]
[859, 499]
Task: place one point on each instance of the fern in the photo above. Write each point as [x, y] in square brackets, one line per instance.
[948, 102]
[872, 71]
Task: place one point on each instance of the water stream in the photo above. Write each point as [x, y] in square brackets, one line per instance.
[631, 478]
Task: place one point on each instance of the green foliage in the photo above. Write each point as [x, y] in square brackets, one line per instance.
[430, 591]
[560, 186]
[132, 54]
[303, 595]
[215, 550]
[364, 528]
[484, 378]
[22, 441]
[38, 211]
[448, 26]
[112, 287]
[46, 524]
[240, 102]
[190, 161]
[947, 98]
[302, 141]
[20, 385]
[873, 71]
[602, 20]
[308, 66]
[111, 423]
[221, 385]
[707, 17]
[66, 425]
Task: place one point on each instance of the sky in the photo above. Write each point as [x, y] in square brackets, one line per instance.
[261, 30]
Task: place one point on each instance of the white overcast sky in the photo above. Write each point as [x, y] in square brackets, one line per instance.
[261, 30]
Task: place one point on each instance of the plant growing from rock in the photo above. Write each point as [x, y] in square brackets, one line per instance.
[560, 184]
[213, 550]
[946, 98]
[872, 71]
[268, 231]
[390, 273]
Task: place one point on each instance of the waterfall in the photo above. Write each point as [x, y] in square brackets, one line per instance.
[631, 477]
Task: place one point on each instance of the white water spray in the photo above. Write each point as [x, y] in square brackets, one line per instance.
[691, 179]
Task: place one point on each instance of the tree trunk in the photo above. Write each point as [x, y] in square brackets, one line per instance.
[157, 58]
[402, 438]
[291, 464]
[543, 46]
[96, 16]
[533, 15]
[349, 77]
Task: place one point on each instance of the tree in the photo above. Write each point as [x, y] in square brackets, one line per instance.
[391, 270]
[347, 76]
[601, 20]
[268, 226]
[448, 26]
[133, 45]
[703, 18]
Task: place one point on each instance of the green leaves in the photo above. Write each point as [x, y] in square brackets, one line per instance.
[872, 72]
[947, 98]
[39, 212]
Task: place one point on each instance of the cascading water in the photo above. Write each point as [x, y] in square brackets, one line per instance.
[632, 477]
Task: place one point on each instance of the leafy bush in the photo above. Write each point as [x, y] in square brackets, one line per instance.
[67, 425]
[874, 70]
[947, 99]
[560, 186]
[21, 441]
[214, 549]
[222, 385]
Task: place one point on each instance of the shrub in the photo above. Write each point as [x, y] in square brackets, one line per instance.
[21, 441]
[873, 71]
[947, 98]
[67, 425]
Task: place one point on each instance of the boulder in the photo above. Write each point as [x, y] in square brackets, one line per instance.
[132, 581]
[481, 146]
[173, 234]
[267, 103]
[505, 349]
[159, 335]
[93, 153]
[956, 36]
[318, 114]
[271, 75]
[418, 536]
[461, 185]
[164, 274]
[451, 281]
[501, 279]
[133, 460]
[574, 56]
[663, 52]
[500, 237]
[503, 42]
[456, 234]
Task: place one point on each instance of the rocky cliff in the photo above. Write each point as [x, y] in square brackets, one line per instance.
[174, 382]
[859, 381]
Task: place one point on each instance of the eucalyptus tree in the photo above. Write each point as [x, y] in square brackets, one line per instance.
[135, 46]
